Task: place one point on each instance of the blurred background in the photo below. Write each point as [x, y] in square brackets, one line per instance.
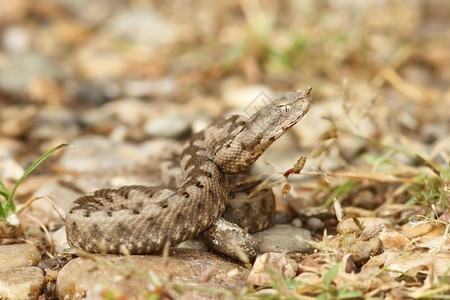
[380, 68]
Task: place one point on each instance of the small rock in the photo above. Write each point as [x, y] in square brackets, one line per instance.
[269, 265]
[19, 69]
[311, 211]
[164, 86]
[126, 111]
[358, 212]
[92, 278]
[283, 238]
[18, 255]
[96, 153]
[21, 283]
[365, 199]
[59, 239]
[96, 62]
[248, 98]
[412, 230]
[315, 224]
[361, 249]
[45, 210]
[16, 39]
[93, 92]
[16, 120]
[156, 146]
[348, 225]
[309, 278]
[168, 125]
[9, 168]
[141, 26]
[55, 122]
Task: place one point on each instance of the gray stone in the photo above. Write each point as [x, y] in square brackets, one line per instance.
[55, 122]
[96, 153]
[45, 210]
[169, 125]
[155, 147]
[18, 255]
[284, 238]
[10, 168]
[21, 283]
[122, 112]
[59, 239]
[19, 69]
[247, 99]
[142, 26]
[192, 270]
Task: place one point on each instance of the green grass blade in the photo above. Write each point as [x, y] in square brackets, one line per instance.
[4, 190]
[4, 193]
[329, 276]
[2, 212]
[10, 206]
[339, 191]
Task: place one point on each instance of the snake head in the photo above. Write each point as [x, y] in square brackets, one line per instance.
[262, 129]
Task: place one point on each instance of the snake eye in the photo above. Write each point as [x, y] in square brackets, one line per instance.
[285, 108]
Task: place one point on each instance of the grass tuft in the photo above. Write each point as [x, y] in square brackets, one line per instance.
[7, 204]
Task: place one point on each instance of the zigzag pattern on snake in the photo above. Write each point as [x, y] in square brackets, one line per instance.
[141, 219]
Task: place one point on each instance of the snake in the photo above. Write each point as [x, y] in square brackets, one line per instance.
[140, 219]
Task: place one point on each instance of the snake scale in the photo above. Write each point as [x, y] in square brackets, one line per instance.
[142, 219]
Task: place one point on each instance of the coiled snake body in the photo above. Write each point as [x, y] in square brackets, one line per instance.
[141, 219]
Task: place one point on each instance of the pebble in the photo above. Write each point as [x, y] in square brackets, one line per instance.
[169, 125]
[247, 99]
[156, 146]
[93, 92]
[412, 230]
[45, 210]
[365, 199]
[59, 239]
[126, 111]
[362, 249]
[97, 62]
[94, 277]
[348, 225]
[15, 121]
[95, 153]
[20, 68]
[16, 39]
[18, 255]
[55, 122]
[164, 86]
[9, 168]
[141, 26]
[21, 283]
[284, 238]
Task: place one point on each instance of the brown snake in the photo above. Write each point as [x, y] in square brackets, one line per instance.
[141, 219]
